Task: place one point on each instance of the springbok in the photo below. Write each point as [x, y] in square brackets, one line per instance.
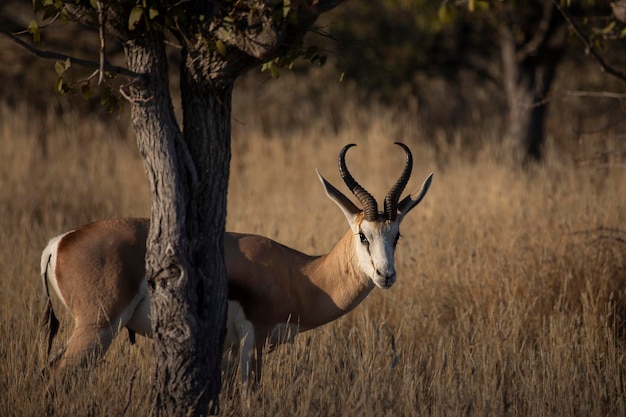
[98, 273]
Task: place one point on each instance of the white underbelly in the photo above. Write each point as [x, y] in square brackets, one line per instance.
[140, 322]
[238, 328]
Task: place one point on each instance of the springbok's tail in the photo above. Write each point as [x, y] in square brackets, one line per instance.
[49, 322]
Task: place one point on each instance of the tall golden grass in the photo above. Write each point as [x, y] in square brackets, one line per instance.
[511, 292]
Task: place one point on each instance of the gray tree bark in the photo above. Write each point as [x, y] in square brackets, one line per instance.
[188, 176]
[176, 265]
[530, 57]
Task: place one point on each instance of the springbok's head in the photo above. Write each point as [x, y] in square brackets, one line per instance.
[376, 233]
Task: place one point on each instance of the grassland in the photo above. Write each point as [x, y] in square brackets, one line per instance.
[511, 296]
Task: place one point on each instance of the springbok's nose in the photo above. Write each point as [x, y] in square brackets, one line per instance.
[389, 276]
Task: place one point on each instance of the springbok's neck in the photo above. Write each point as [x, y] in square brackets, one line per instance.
[339, 277]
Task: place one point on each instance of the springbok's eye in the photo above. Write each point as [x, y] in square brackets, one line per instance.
[363, 239]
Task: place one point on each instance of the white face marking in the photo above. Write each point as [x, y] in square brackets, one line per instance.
[375, 244]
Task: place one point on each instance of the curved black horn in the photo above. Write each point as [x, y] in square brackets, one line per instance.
[370, 207]
[393, 196]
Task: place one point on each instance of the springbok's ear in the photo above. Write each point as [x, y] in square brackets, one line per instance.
[347, 207]
[409, 202]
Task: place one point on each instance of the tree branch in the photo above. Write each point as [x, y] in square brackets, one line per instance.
[322, 6]
[101, 33]
[540, 35]
[588, 46]
[595, 94]
[58, 56]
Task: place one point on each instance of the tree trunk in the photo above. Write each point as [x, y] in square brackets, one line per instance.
[185, 364]
[528, 70]
[526, 85]
[207, 117]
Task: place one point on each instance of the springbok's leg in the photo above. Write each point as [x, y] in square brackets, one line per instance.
[245, 332]
[87, 343]
[256, 364]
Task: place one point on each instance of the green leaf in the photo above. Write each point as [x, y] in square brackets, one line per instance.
[471, 5]
[221, 48]
[135, 16]
[318, 59]
[109, 100]
[275, 72]
[272, 68]
[33, 28]
[292, 17]
[609, 28]
[106, 94]
[61, 66]
[286, 7]
[152, 13]
[58, 85]
[444, 14]
[86, 91]
[50, 12]
[112, 103]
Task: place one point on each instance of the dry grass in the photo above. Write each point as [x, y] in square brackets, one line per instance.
[511, 295]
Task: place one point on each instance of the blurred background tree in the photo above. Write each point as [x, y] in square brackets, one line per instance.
[456, 66]
[394, 48]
